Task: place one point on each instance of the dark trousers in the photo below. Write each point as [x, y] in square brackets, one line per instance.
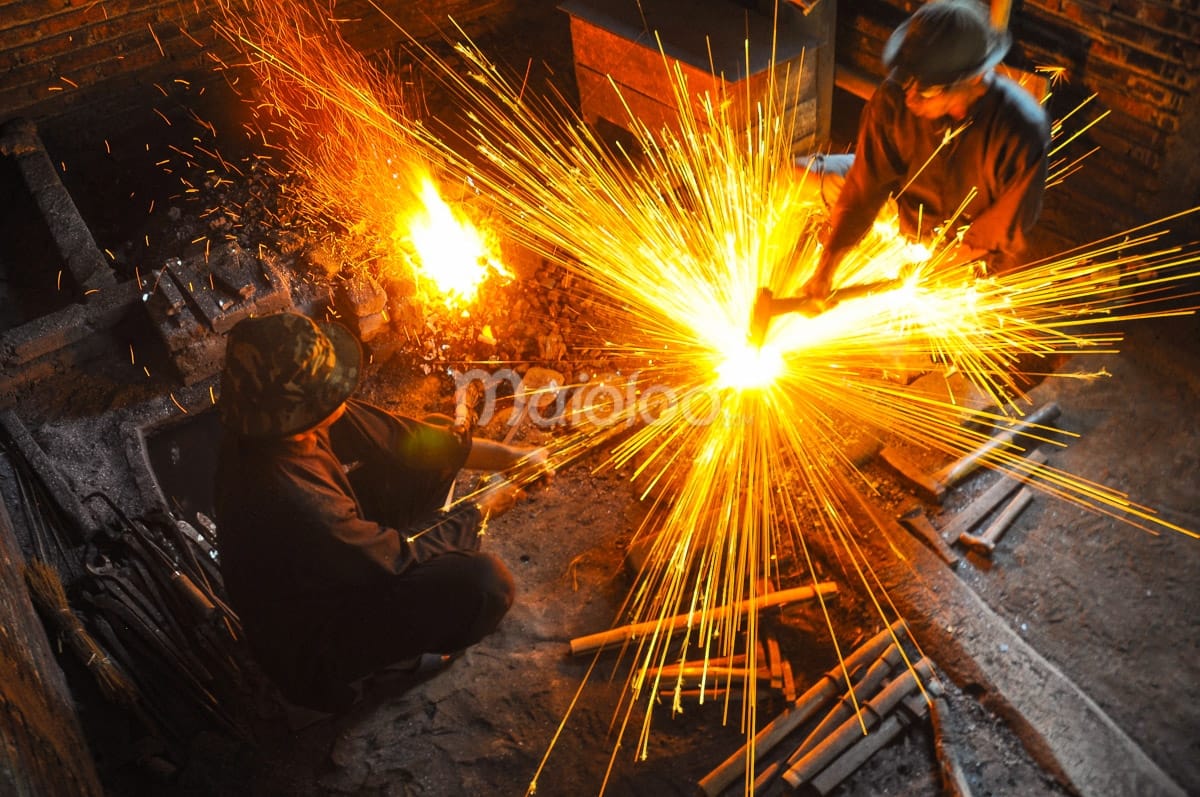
[440, 606]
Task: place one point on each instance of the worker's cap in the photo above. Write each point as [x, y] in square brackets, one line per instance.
[284, 374]
[943, 42]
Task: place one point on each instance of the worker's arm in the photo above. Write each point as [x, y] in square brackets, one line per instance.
[820, 283]
[327, 519]
[432, 444]
[397, 549]
[492, 455]
[876, 171]
[1012, 168]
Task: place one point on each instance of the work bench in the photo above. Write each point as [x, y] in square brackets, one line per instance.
[628, 53]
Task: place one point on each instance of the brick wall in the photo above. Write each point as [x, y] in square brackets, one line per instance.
[54, 51]
[63, 56]
[1140, 58]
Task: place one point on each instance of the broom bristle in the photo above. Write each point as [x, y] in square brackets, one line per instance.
[46, 585]
[50, 596]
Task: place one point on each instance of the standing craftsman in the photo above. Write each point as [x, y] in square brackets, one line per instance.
[943, 124]
[334, 548]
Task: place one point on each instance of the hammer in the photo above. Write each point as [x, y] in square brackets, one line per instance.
[766, 306]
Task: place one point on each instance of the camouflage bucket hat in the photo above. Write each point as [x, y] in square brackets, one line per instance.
[943, 42]
[284, 374]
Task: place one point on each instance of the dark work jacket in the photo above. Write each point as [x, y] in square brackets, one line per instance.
[303, 525]
[1001, 154]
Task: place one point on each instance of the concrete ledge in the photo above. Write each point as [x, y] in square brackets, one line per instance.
[70, 325]
[1062, 727]
[89, 269]
[64, 496]
[155, 416]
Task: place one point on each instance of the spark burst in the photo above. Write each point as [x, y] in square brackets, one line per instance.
[739, 446]
[370, 195]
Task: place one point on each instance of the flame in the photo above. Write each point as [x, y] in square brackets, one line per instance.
[451, 252]
[363, 182]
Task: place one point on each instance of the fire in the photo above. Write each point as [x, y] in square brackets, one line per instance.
[363, 181]
[451, 252]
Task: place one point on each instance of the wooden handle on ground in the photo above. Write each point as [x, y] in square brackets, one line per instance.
[592, 642]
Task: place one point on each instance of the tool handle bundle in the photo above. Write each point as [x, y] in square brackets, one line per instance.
[157, 602]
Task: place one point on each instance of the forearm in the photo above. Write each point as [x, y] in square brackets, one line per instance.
[491, 455]
[819, 284]
[827, 265]
[454, 530]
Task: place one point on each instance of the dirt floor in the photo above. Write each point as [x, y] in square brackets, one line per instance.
[1114, 608]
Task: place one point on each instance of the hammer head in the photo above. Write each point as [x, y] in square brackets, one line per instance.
[761, 315]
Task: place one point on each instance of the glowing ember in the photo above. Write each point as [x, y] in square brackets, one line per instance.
[746, 366]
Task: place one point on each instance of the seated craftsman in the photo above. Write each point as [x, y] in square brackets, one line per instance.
[335, 549]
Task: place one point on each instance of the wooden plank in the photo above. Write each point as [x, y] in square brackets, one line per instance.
[649, 78]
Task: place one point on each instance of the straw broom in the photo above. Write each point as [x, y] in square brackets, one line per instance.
[51, 598]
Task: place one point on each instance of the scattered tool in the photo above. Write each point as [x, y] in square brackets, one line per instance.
[136, 535]
[587, 644]
[695, 671]
[766, 306]
[872, 714]
[866, 687]
[981, 507]
[774, 661]
[845, 765]
[916, 521]
[800, 711]
[985, 543]
[935, 485]
[110, 578]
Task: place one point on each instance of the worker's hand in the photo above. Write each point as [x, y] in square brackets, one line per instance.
[960, 254]
[536, 463]
[817, 287]
[499, 496]
[820, 284]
